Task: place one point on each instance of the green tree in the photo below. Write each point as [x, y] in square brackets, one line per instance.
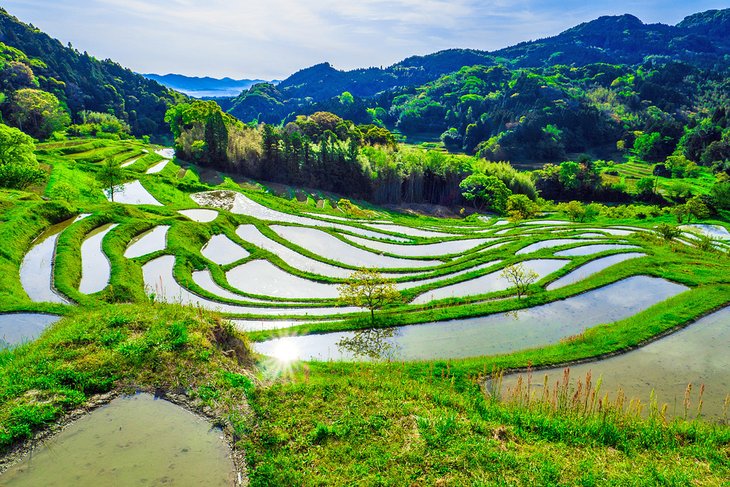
[696, 208]
[37, 113]
[520, 207]
[645, 186]
[18, 164]
[484, 190]
[367, 288]
[520, 277]
[568, 175]
[110, 175]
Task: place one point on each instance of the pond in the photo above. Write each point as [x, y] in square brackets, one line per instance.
[132, 193]
[36, 270]
[493, 334]
[150, 241]
[167, 153]
[489, 283]
[95, 266]
[137, 440]
[264, 278]
[322, 243]
[694, 355]
[18, 328]
[222, 250]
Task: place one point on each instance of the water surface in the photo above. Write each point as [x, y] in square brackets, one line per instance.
[135, 440]
[36, 270]
[222, 250]
[132, 193]
[591, 268]
[695, 355]
[18, 328]
[150, 241]
[497, 333]
[95, 266]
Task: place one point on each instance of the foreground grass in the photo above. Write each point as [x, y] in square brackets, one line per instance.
[120, 348]
[388, 424]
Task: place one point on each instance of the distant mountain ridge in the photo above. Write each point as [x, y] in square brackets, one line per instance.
[205, 87]
[701, 40]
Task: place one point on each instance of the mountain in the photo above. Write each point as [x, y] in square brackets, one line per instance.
[701, 40]
[84, 83]
[205, 87]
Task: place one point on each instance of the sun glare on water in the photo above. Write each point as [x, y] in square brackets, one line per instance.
[286, 351]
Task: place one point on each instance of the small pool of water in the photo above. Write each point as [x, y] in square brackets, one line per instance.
[18, 328]
[201, 215]
[150, 241]
[695, 355]
[157, 168]
[222, 250]
[497, 333]
[130, 162]
[132, 193]
[95, 266]
[137, 440]
[591, 268]
[36, 270]
[489, 283]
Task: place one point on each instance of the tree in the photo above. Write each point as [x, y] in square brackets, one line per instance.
[645, 186]
[668, 232]
[18, 164]
[578, 212]
[484, 190]
[520, 277]
[110, 174]
[367, 288]
[697, 208]
[520, 207]
[37, 113]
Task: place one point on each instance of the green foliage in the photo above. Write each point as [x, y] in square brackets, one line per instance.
[520, 207]
[18, 164]
[367, 288]
[519, 277]
[485, 191]
[37, 112]
[578, 212]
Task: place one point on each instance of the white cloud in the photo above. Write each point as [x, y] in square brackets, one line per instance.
[273, 38]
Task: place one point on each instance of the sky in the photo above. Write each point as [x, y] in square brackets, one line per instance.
[272, 39]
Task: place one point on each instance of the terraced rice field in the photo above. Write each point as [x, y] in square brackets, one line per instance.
[271, 267]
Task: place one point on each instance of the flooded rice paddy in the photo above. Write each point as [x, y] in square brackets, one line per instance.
[19, 328]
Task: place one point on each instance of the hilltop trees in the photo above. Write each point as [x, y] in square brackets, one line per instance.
[36, 112]
[18, 164]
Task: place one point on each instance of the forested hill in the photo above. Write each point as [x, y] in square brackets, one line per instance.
[79, 81]
[701, 40]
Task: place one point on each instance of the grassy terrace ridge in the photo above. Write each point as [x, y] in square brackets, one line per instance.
[328, 423]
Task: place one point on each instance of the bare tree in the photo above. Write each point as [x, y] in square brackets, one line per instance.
[367, 288]
[520, 277]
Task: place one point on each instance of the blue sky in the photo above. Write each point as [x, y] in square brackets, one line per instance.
[273, 38]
